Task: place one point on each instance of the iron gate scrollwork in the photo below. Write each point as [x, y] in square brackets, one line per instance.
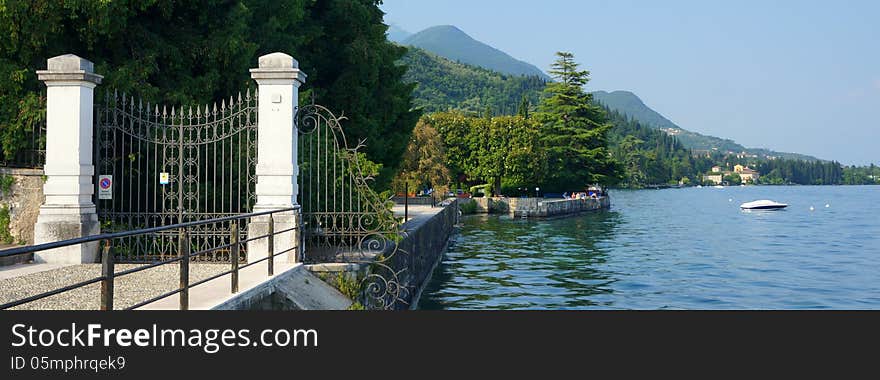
[344, 220]
[174, 166]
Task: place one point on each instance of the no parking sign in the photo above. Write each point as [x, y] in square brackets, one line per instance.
[105, 187]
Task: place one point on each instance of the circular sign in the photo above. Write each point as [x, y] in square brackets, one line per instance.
[105, 183]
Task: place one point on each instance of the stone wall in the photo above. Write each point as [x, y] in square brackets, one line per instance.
[543, 208]
[414, 257]
[425, 242]
[492, 205]
[23, 201]
[538, 207]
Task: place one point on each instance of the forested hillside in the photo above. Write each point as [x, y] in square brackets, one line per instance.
[444, 85]
[631, 105]
[651, 157]
[647, 155]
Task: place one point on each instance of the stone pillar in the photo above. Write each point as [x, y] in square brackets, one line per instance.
[278, 78]
[68, 211]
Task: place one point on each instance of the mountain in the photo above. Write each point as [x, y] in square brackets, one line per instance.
[629, 104]
[452, 43]
[396, 34]
[443, 85]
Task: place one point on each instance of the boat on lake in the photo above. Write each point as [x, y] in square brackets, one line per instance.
[763, 205]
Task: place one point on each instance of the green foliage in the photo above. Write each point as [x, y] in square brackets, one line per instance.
[648, 156]
[349, 284]
[424, 162]
[498, 207]
[574, 131]
[444, 85]
[501, 149]
[780, 171]
[468, 207]
[198, 51]
[733, 179]
[6, 183]
[865, 175]
[5, 220]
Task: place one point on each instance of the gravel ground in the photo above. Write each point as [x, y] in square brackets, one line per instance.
[129, 289]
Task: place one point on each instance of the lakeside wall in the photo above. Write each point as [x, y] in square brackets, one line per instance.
[426, 240]
[414, 257]
[539, 207]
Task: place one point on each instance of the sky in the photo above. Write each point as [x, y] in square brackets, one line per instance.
[794, 76]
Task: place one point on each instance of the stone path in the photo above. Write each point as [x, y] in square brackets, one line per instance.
[17, 270]
[129, 289]
[416, 210]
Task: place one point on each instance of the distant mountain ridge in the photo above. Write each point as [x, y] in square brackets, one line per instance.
[631, 105]
[452, 43]
[456, 46]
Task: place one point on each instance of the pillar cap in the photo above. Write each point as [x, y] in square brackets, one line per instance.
[69, 68]
[278, 66]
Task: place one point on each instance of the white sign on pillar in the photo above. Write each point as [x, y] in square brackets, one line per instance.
[278, 77]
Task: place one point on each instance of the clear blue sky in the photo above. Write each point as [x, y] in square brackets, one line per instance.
[797, 76]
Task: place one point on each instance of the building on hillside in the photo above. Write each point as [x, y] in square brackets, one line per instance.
[715, 178]
[747, 174]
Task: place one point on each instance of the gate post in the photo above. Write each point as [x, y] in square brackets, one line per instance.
[68, 211]
[278, 77]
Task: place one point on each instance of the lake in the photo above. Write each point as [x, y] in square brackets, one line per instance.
[673, 249]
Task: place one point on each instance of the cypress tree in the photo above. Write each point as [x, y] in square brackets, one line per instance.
[574, 131]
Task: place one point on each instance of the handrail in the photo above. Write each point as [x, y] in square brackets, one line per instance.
[117, 235]
[108, 274]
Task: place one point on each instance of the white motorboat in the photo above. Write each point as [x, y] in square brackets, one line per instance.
[763, 205]
[719, 187]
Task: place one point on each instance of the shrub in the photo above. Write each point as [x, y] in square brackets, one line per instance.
[5, 236]
[6, 182]
[468, 207]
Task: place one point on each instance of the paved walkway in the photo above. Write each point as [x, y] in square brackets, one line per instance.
[219, 290]
[416, 211]
[129, 290]
[18, 270]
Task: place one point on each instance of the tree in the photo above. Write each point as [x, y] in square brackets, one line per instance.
[733, 179]
[194, 52]
[424, 162]
[524, 105]
[525, 161]
[574, 131]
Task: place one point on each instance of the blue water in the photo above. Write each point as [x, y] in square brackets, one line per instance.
[674, 249]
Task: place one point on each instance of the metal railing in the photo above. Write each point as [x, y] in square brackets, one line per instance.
[30, 152]
[109, 275]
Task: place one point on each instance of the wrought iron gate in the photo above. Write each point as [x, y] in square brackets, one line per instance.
[344, 220]
[172, 166]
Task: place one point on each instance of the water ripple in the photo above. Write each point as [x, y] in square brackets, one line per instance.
[673, 249]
